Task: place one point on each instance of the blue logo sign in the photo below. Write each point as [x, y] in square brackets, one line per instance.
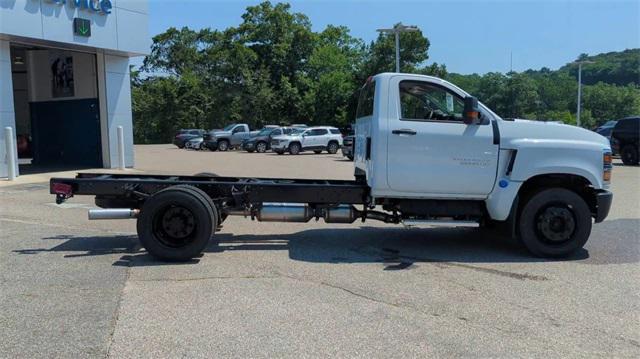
[99, 6]
[503, 183]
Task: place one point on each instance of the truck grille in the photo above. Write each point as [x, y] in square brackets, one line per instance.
[275, 142]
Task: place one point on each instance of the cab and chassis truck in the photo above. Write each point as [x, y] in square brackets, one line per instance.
[426, 154]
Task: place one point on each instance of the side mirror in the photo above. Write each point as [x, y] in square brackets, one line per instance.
[471, 113]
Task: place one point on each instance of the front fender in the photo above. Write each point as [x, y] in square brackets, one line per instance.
[548, 157]
[534, 158]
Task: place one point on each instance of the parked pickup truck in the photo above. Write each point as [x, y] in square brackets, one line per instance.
[426, 154]
[230, 137]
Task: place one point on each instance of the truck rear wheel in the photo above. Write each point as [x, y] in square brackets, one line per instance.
[177, 223]
[554, 222]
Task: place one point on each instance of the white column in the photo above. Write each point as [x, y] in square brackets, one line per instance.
[10, 150]
[121, 153]
[7, 112]
[118, 100]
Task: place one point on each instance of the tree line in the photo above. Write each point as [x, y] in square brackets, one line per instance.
[273, 69]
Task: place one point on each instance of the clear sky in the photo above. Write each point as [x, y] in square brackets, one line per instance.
[468, 36]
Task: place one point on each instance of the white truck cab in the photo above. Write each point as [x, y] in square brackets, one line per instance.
[417, 140]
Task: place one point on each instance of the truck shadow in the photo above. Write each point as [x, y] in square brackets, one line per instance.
[612, 242]
[397, 248]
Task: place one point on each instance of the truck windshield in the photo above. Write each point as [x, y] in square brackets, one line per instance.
[229, 127]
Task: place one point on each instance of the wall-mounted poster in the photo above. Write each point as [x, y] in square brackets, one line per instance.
[62, 84]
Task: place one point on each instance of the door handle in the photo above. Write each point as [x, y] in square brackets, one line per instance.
[404, 131]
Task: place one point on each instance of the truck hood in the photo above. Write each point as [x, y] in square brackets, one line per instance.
[221, 133]
[514, 133]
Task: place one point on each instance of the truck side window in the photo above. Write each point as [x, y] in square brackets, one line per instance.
[365, 101]
[422, 101]
[238, 129]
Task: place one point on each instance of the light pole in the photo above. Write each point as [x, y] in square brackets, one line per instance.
[580, 88]
[396, 30]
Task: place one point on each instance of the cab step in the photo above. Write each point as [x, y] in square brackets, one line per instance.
[429, 223]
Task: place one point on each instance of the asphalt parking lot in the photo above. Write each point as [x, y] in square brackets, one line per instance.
[74, 288]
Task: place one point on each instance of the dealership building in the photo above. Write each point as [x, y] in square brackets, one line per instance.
[64, 80]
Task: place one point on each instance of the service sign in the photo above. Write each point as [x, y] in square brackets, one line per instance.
[99, 6]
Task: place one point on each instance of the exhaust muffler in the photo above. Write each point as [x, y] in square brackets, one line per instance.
[113, 213]
[284, 212]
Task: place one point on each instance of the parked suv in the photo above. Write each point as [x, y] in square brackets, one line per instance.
[230, 137]
[261, 141]
[185, 135]
[625, 139]
[316, 139]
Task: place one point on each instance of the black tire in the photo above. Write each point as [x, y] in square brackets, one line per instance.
[250, 151]
[333, 147]
[294, 148]
[180, 146]
[554, 222]
[629, 155]
[212, 148]
[223, 145]
[261, 147]
[168, 239]
[317, 152]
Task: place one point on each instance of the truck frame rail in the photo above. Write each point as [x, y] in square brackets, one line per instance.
[130, 190]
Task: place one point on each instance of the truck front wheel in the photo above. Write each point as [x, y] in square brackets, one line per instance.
[176, 223]
[554, 222]
[223, 145]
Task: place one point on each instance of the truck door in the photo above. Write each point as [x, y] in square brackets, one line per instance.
[430, 149]
[238, 134]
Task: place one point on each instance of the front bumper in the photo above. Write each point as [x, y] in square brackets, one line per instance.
[247, 146]
[603, 205]
[210, 144]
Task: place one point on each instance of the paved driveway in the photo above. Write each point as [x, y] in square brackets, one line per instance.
[70, 287]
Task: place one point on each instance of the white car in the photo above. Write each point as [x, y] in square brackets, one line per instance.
[316, 139]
